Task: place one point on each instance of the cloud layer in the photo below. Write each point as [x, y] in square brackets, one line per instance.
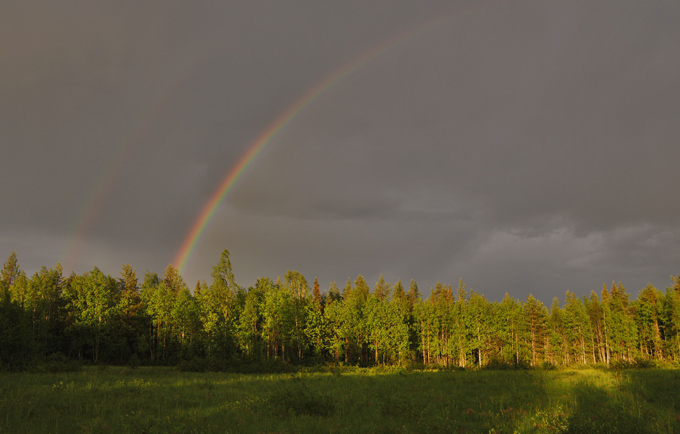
[525, 147]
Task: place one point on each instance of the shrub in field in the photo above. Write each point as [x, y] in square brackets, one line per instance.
[235, 365]
[547, 366]
[499, 364]
[635, 364]
[294, 397]
[399, 407]
[57, 362]
[193, 365]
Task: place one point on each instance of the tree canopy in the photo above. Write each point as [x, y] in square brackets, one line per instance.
[101, 319]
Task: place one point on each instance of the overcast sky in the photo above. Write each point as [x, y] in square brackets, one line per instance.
[524, 146]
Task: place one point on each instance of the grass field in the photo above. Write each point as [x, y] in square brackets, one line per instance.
[163, 400]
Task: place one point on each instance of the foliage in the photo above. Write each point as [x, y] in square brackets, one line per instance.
[285, 324]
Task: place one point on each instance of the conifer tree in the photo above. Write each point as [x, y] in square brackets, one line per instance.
[348, 288]
[578, 329]
[556, 343]
[478, 315]
[382, 289]
[413, 293]
[316, 292]
[462, 324]
[535, 315]
[334, 293]
[595, 315]
[511, 318]
[398, 293]
[648, 315]
[361, 286]
[671, 319]
[10, 271]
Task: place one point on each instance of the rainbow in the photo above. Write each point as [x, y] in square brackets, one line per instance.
[280, 123]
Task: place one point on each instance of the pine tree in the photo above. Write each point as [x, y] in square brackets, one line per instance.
[535, 315]
[648, 316]
[361, 286]
[671, 319]
[462, 325]
[398, 293]
[413, 293]
[511, 313]
[316, 293]
[478, 325]
[348, 288]
[595, 314]
[578, 329]
[10, 271]
[334, 293]
[382, 289]
[132, 321]
[557, 343]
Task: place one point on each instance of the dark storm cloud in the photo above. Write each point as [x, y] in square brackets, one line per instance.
[524, 146]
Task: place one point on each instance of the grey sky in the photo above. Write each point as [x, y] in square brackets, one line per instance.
[525, 146]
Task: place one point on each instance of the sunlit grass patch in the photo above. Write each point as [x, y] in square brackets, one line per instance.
[161, 400]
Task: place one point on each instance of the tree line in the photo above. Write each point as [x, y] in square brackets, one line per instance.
[97, 318]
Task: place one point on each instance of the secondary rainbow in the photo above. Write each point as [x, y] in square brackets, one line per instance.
[107, 175]
[278, 125]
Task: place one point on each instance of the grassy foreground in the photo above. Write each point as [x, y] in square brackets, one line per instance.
[163, 400]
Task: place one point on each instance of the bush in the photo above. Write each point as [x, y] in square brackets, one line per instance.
[636, 364]
[294, 398]
[549, 366]
[500, 364]
[57, 362]
[235, 365]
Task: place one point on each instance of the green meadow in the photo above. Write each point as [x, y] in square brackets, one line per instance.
[150, 400]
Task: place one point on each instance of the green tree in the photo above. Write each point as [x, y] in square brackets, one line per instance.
[219, 310]
[296, 285]
[511, 323]
[15, 330]
[536, 315]
[413, 294]
[316, 293]
[10, 271]
[333, 293]
[382, 289]
[596, 316]
[577, 329]
[91, 300]
[317, 332]
[398, 292]
[132, 320]
[478, 316]
[278, 319]
[42, 299]
[619, 324]
[671, 320]
[648, 318]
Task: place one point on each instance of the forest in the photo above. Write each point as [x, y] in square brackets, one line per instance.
[157, 320]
